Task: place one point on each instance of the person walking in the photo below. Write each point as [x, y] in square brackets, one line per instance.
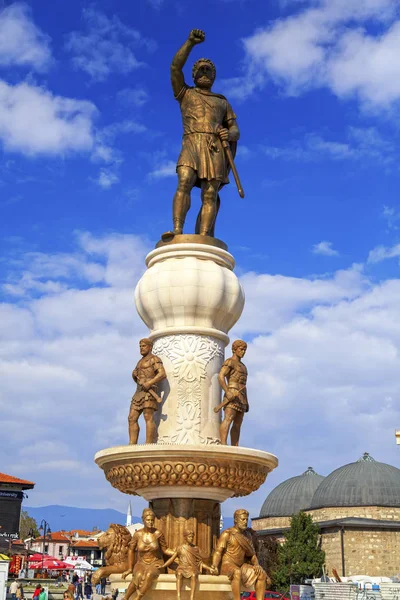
[103, 582]
[88, 590]
[78, 590]
[43, 594]
[13, 590]
[20, 592]
[36, 592]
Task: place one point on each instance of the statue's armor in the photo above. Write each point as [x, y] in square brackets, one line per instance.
[145, 370]
[203, 113]
[237, 379]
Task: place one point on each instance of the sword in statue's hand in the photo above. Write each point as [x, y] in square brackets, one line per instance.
[152, 393]
[229, 156]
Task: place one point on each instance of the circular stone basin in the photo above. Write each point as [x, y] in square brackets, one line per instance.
[178, 471]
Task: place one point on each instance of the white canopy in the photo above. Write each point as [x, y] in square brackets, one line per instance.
[79, 563]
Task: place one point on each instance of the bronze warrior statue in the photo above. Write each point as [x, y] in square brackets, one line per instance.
[209, 125]
[237, 555]
[148, 372]
[233, 379]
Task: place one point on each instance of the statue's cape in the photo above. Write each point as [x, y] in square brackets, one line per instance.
[244, 542]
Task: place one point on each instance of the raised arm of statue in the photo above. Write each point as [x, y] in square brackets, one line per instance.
[196, 36]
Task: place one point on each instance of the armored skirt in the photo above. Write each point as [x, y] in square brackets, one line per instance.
[142, 400]
[203, 152]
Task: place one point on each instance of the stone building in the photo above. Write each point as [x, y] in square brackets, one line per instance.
[12, 492]
[357, 508]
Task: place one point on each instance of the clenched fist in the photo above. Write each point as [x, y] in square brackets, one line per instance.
[197, 36]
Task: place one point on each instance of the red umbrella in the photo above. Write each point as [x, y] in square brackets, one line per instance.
[38, 557]
[50, 564]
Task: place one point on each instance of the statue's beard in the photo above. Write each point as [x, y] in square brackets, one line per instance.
[204, 82]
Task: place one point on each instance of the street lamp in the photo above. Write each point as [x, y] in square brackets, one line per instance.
[45, 527]
[31, 536]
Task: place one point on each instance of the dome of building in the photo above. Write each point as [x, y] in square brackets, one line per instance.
[362, 483]
[291, 495]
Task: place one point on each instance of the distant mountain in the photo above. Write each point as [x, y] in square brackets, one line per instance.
[70, 517]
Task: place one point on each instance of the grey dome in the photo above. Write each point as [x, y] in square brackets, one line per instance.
[362, 483]
[291, 495]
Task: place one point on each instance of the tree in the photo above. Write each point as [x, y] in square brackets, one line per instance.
[300, 556]
[267, 554]
[26, 524]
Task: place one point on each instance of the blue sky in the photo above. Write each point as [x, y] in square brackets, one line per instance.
[89, 136]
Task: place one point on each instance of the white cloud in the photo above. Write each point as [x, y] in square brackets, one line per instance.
[391, 217]
[165, 168]
[323, 356]
[21, 41]
[328, 44]
[325, 248]
[360, 144]
[381, 253]
[136, 96]
[106, 46]
[34, 121]
[105, 150]
[107, 178]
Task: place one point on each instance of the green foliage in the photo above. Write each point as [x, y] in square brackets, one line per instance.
[27, 523]
[267, 554]
[300, 557]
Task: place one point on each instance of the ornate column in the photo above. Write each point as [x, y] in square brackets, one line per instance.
[190, 298]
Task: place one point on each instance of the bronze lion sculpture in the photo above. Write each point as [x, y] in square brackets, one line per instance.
[116, 540]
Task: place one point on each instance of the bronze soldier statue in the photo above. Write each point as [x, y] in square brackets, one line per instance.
[148, 372]
[209, 123]
[190, 564]
[236, 549]
[232, 379]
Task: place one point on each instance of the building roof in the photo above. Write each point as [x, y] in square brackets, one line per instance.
[365, 482]
[15, 481]
[85, 544]
[291, 495]
[55, 536]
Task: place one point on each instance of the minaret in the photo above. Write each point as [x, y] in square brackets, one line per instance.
[129, 516]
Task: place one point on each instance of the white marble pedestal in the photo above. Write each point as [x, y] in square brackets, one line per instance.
[189, 298]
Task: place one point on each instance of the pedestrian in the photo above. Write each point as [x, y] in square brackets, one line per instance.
[114, 594]
[75, 578]
[88, 590]
[36, 592]
[13, 590]
[78, 590]
[20, 592]
[68, 595]
[103, 582]
[43, 594]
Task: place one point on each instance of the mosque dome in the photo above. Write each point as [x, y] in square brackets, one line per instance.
[362, 483]
[291, 495]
